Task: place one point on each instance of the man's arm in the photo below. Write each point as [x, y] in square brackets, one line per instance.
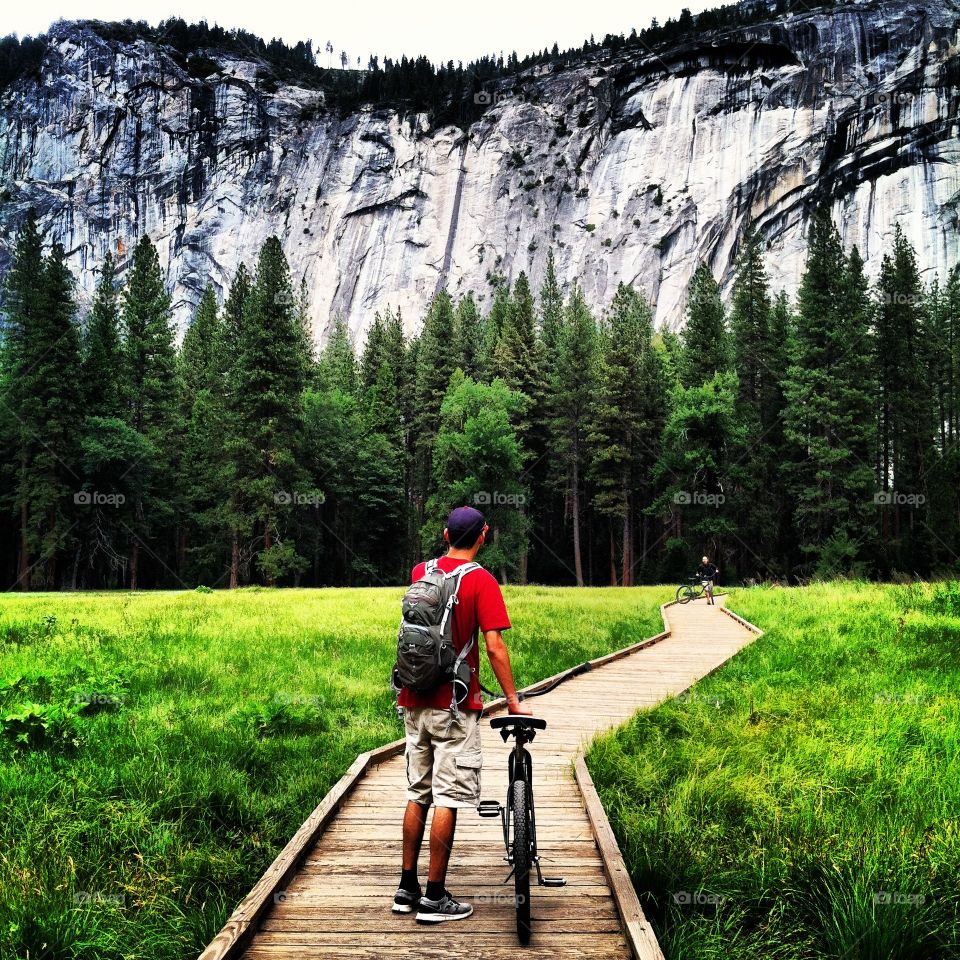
[500, 662]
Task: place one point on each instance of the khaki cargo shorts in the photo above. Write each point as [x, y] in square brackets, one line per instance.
[443, 757]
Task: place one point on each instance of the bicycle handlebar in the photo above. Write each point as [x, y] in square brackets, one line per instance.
[519, 720]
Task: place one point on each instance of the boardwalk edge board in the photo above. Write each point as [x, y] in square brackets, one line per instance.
[636, 928]
[742, 621]
[244, 921]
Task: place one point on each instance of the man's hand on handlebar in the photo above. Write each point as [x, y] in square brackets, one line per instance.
[517, 708]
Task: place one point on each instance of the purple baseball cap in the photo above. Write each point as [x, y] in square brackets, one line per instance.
[464, 525]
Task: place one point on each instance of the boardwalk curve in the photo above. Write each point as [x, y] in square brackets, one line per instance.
[328, 893]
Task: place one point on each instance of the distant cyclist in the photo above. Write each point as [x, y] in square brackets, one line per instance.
[706, 574]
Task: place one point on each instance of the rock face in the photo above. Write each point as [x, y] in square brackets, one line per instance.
[633, 168]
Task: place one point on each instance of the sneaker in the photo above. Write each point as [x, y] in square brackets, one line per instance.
[405, 900]
[446, 908]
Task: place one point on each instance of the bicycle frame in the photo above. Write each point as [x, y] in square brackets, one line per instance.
[520, 759]
[519, 767]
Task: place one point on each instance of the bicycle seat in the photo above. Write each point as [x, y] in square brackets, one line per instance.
[519, 720]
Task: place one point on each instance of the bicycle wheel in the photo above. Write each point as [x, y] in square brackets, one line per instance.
[520, 812]
[685, 594]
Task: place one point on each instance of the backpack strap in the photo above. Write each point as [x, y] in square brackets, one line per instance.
[459, 574]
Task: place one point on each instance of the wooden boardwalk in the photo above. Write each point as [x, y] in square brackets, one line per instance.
[329, 893]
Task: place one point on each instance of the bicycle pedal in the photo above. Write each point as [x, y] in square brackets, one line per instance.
[554, 882]
[489, 808]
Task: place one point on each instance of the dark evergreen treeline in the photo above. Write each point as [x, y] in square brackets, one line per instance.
[447, 92]
[785, 440]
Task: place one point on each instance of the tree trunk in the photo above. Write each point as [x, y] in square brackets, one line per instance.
[627, 551]
[613, 559]
[575, 512]
[134, 564]
[23, 579]
[234, 559]
[267, 544]
[524, 555]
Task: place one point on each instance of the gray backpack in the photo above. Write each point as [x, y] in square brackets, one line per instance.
[426, 656]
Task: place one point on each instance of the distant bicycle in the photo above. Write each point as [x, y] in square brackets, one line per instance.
[693, 589]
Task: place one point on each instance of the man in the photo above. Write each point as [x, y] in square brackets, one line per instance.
[443, 747]
[707, 573]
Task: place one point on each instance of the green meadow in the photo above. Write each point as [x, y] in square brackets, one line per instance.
[159, 749]
[803, 802]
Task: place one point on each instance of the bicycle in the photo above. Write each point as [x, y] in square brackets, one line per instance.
[518, 817]
[693, 589]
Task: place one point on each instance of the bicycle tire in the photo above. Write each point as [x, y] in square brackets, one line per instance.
[684, 595]
[520, 812]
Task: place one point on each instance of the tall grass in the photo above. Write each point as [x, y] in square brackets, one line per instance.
[804, 801]
[158, 749]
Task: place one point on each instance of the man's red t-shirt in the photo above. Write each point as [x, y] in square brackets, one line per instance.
[480, 608]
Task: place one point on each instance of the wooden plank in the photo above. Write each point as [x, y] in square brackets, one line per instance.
[547, 907]
[639, 933]
[443, 945]
[502, 924]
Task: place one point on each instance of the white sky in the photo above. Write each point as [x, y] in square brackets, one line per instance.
[441, 30]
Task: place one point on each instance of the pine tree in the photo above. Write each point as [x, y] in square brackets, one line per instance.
[204, 465]
[625, 425]
[943, 483]
[434, 365]
[109, 444]
[551, 313]
[337, 369]
[517, 364]
[496, 319]
[468, 334]
[48, 385]
[706, 348]
[695, 471]
[233, 517]
[102, 348]
[25, 307]
[828, 410]
[750, 325]
[151, 399]
[906, 425]
[570, 399]
[266, 403]
[373, 349]
[778, 448]
[751, 479]
[201, 349]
